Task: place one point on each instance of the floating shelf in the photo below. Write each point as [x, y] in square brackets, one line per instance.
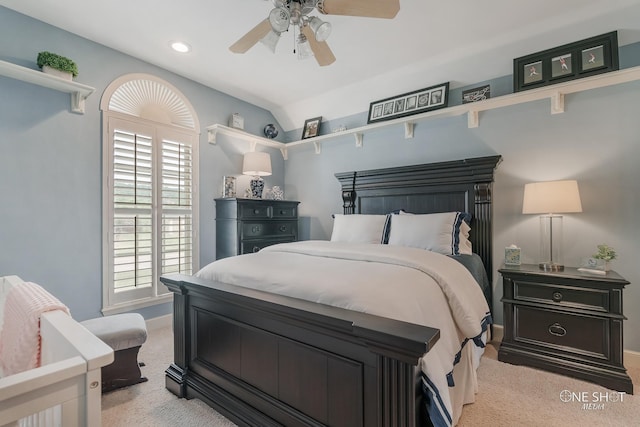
[79, 92]
[554, 93]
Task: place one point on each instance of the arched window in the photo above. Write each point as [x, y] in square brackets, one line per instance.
[150, 190]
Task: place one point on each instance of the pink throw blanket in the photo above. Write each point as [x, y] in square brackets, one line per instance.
[20, 336]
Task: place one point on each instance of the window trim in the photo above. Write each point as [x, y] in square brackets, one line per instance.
[108, 304]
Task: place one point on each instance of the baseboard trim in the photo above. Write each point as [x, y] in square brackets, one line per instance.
[159, 322]
[631, 358]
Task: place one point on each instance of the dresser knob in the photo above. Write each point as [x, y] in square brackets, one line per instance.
[256, 248]
[283, 228]
[557, 296]
[255, 229]
[256, 211]
[282, 212]
[557, 330]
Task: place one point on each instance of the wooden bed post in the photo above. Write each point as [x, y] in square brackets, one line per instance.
[176, 373]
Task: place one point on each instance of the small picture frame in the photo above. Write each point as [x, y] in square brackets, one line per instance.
[410, 103]
[571, 61]
[593, 264]
[593, 58]
[476, 94]
[228, 186]
[512, 255]
[311, 127]
[532, 72]
[562, 66]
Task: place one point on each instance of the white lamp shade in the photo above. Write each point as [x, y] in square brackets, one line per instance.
[551, 197]
[257, 164]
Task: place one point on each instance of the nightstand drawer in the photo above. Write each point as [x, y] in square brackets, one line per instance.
[251, 246]
[562, 295]
[271, 228]
[567, 332]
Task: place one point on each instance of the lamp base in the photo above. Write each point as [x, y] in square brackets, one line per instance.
[257, 185]
[548, 266]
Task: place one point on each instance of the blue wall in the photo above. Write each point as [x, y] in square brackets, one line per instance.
[50, 163]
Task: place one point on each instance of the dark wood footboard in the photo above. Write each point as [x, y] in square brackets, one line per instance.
[266, 360]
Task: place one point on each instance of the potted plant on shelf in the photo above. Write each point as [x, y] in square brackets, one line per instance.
[57, 65]
[607, 254]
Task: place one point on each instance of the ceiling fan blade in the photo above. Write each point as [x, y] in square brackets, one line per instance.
[247, 41]
[321, 50]
[367, 8]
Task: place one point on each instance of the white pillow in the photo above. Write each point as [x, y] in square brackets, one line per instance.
[446, 233]
[358, 228]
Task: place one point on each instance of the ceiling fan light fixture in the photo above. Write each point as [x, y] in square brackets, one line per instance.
[271, 40]
[304, 48]
[321, 29]
[279, 19]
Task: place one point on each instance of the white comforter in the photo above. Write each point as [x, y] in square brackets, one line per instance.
[408, 284]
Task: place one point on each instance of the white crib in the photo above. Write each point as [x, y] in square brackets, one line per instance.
[66, 389]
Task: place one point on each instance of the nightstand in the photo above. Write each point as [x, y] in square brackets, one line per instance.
[566, 322]
[247, 225]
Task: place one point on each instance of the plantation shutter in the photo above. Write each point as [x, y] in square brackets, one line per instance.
[177, 215]
[133, 214]
[152, 208]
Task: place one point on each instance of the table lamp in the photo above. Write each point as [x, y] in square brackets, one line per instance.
[551, 198]
[257, 164]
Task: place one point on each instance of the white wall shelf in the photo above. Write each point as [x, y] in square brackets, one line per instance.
[78, 92]
[555, 93]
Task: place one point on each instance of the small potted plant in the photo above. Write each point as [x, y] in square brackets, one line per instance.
[55, 64]
[607, 254]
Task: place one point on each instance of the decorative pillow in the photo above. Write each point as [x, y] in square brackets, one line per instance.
[358, 228]
[446, 233]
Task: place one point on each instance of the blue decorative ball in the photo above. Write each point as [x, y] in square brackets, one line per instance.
[270, 131]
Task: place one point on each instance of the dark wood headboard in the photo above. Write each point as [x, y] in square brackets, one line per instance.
[459, 185]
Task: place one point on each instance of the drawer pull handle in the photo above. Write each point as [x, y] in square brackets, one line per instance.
[256, 248]
[283, 228]
[282, 212]
[255, 229]
[557, 296]
[256, 211]
[557, 330]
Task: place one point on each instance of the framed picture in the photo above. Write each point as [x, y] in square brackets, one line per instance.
[228, 186]
[584, 58]
[476, 94]
[311, 127]
[410, 103]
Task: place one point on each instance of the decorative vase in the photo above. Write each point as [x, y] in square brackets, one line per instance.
[54, 72]
[257, 185]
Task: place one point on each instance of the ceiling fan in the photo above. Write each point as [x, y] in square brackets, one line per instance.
[313, 32]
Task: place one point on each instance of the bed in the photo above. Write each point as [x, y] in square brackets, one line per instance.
[65, 388]
[269, 359]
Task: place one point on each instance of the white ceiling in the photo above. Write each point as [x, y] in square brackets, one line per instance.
[429, 42]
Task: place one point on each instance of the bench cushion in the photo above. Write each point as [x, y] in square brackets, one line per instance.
[120, 331]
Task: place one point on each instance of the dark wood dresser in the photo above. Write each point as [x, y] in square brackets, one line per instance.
[248, 225]
[566, 322]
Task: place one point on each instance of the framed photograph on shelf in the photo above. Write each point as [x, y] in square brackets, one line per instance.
[407, 104]
[228, 186]
[584, 58]
[476, 94]
[311, 127]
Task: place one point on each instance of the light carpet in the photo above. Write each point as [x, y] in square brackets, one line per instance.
[509, 396]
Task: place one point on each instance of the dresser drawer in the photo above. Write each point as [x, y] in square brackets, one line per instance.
[566, 332]
[285, 211]
[270, 228]
[251, 246]
[254, 210]
[562, 295]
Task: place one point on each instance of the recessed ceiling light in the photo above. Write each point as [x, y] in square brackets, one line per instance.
[181, 47]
